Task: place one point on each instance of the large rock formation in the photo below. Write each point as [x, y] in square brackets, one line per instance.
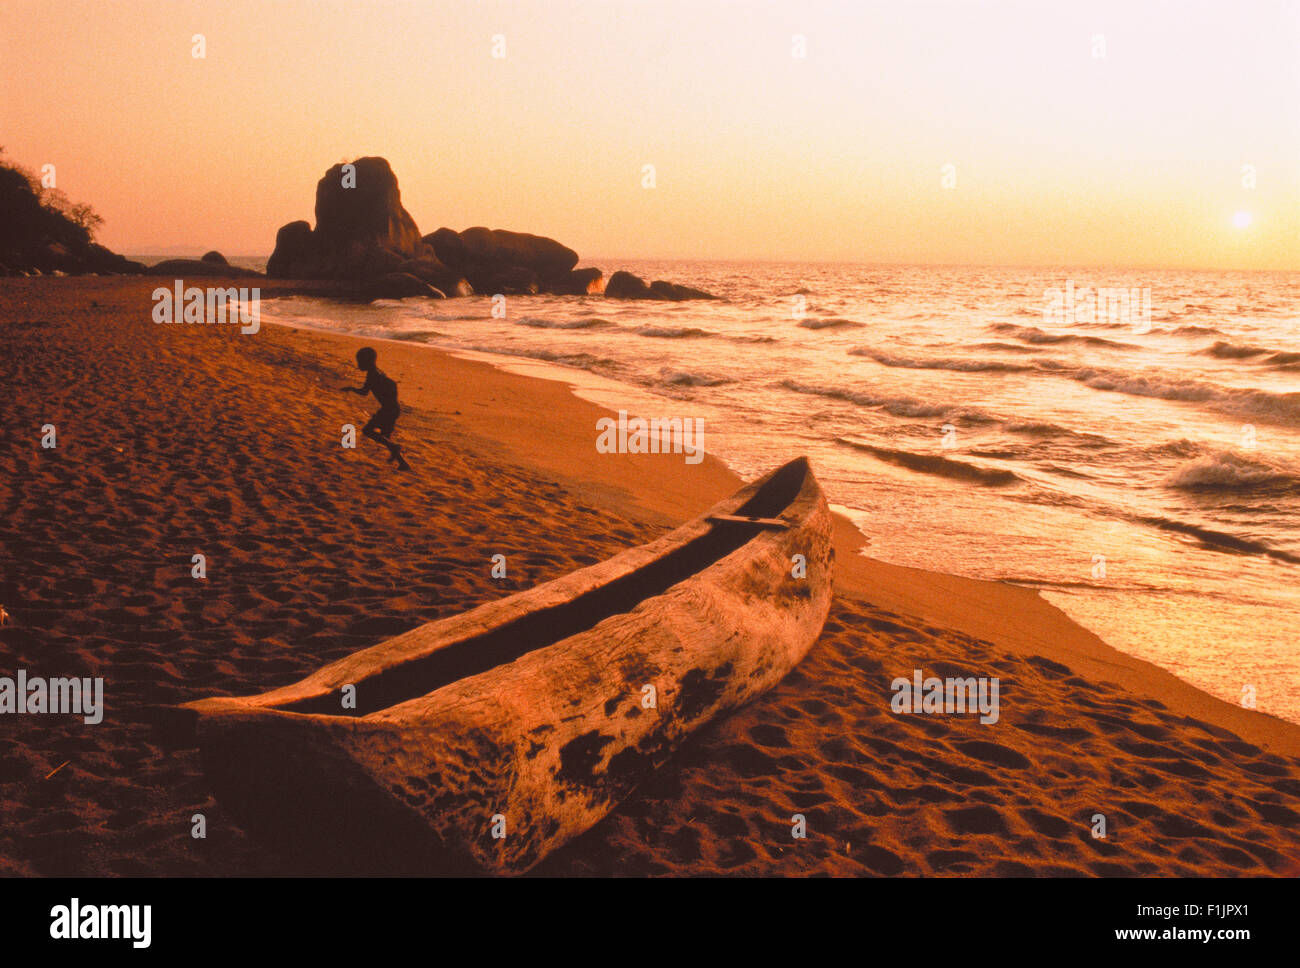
[363, 230]
[362, 234]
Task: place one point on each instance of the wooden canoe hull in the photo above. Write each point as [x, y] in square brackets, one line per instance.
[493, 770]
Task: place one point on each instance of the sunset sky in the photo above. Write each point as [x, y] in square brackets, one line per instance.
[1060, 157]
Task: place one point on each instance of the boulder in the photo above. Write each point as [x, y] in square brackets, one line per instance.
[438, 275]
[498, 247]
[215, 257]
[447, 247]
[357, 226]
[579, 282]
[295, 253]
[399, 285]
[624, 285]
[670, 290]
[506, 280]
[362, 231]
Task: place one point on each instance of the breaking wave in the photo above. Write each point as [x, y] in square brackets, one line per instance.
[594, 322]
[1219, 540]
[833, 323]
[1032, 334]
[934, 464]
[1232, 400]
[960, 365]
[682, 378]
[1278, 359]
[672, 332]
[898, 406]
[1228, 471]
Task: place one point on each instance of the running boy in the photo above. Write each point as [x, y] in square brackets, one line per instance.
[380, 426]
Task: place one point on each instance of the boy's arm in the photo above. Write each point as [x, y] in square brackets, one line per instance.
[363, 389]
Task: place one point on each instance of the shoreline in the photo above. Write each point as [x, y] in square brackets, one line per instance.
[174, 439]
[1012, 615]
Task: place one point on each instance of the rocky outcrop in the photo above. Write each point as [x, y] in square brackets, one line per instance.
[676, 293]
[497, 247]
[76, 260]
[399, 285]
[447, 246]
[580, 282]
[360, 222]
[438, 275]
[39, 236]
[362, 231]
[363, 234]
[504, 280]
[295, 253]
[180, 268]
[624, 285]
[499, 261]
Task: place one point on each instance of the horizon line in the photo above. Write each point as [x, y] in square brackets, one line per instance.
[180, 251]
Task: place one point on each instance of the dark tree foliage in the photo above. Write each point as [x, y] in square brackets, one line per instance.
[41, 227]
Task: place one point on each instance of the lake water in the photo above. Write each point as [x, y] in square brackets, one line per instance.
[1142, 470]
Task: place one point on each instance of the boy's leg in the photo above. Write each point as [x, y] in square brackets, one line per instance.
[380, 429]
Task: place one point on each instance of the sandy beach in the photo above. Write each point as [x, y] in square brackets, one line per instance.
[178, 440]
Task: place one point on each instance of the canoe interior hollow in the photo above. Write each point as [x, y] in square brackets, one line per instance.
[547, 626]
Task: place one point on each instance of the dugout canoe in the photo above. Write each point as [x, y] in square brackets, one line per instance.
[483, 741]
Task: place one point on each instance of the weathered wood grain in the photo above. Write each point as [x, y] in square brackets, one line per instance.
[531, 712]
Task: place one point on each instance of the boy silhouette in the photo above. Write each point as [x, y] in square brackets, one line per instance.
[380, 426]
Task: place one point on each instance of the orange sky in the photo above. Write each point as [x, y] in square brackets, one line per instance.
[1060, 157]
